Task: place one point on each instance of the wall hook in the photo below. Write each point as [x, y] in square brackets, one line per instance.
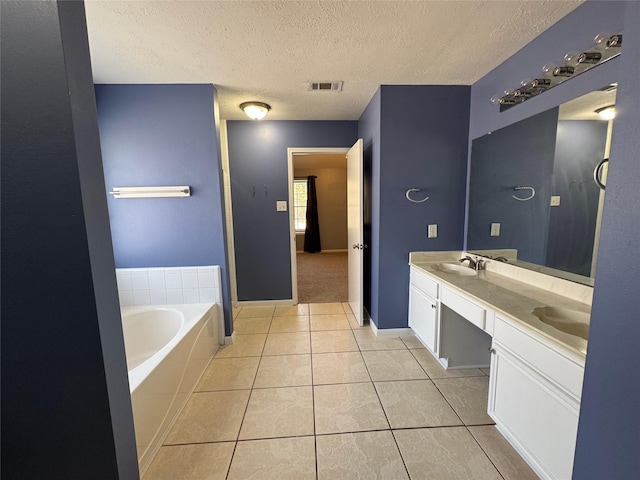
[533, 193]
[410, 191]
[597, 174]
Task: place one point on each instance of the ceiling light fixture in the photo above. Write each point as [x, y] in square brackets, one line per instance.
[255, 110]
[607, 113]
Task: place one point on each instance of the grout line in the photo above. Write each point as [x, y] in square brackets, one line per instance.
[483, 450]
[404, 463]
[351, 432]
[250, 395]
[385, 414]
[448, 403]
[244, 440]
[197, 443]
[423, 369]
[313, 411]
[339, 384]
[233, 454]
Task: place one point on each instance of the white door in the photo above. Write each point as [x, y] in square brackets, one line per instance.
[355, 229]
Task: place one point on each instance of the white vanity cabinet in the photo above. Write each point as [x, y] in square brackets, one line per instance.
[535, 382]
[423, 309]
[534, 398]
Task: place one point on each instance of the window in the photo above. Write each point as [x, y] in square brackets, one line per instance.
[300, 204]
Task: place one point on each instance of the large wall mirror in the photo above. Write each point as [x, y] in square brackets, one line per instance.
[537, 188]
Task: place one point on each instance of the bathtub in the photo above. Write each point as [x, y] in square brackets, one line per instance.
[168, 347]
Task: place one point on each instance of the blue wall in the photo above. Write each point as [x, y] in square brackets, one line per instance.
[608, 433]
[423, 144]
[580, 146]
[573, 32]
[66, 407]
[520, 154]
[608, 440]
[258, 158]
[369, 131]
[164, 135]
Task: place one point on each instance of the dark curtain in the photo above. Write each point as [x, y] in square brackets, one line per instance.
[312, 233]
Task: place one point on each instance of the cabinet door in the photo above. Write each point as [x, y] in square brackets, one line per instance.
[539, 420]
[423, 317]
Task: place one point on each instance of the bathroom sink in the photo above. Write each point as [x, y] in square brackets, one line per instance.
[566, 320]
[455, 269]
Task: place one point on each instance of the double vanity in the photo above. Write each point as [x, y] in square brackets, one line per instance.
[530, 329]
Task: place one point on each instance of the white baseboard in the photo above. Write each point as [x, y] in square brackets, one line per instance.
[230, 339]
[265, 303]
[444, 362]
[390, 332]
[394, 332]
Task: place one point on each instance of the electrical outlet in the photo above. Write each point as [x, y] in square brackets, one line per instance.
[432, 231]
[555, 200]
[281, 206]
[495, 229]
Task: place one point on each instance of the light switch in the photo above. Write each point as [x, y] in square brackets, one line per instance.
[555, 200]
[432, 232]
[281, 206]
[495, 229]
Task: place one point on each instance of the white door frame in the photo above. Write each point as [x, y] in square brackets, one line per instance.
[291, 151]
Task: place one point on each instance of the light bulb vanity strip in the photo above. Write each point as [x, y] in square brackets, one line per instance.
[605, 47]
[151, 192]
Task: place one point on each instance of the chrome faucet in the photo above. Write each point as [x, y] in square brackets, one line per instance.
[501, 259]
[472, 262]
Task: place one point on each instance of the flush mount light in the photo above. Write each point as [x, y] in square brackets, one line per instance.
[255, 110]
[607, 113]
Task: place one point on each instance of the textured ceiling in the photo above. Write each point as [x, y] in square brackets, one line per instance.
[269, 50]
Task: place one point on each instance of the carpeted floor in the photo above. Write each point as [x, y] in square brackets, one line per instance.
[322, 277]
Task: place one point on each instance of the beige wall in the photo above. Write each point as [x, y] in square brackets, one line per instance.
[331, 186]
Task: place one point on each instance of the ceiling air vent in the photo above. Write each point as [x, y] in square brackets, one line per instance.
[326, 86]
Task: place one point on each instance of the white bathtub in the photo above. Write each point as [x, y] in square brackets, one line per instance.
[168, 347]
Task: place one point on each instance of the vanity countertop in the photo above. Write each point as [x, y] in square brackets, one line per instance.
[508, 296]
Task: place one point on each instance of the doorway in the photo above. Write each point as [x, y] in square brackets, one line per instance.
[319, 277]
[343, 168]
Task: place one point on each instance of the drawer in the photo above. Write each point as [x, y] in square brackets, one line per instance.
[562, 371]
[423, 282]
[471, 311]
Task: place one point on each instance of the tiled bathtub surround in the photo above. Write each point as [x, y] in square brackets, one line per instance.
[169, 286]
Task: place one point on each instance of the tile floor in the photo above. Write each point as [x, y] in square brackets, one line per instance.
[304, 392]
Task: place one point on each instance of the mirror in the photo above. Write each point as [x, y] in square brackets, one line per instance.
[534, 198]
